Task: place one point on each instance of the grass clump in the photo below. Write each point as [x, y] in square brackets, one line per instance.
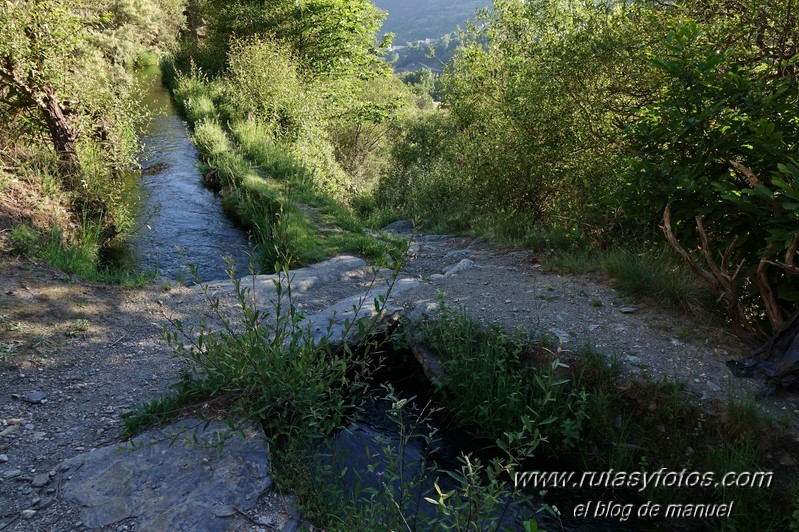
[492, 385]
[81, 256]
[655, 274]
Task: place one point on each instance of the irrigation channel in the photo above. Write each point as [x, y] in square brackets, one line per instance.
[180, 221]
[362, 455]
[183, 223]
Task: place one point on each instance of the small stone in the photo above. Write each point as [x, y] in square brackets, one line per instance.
[29, 426]
[9, 430]
[12, 473]
[265, 520]
[633, 359]
[40, 480]
[458, 253]
[35, 397]
[3, 458]
[27, 514]
[713, 387]
[592, 328]
[463, 265]
[628, 310]
[44, 503]
[507, 301]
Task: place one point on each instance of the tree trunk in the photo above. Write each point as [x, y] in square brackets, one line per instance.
[61, 134]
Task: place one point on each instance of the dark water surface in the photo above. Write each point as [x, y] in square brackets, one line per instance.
[181, 221]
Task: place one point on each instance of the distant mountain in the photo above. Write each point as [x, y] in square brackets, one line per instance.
[417, 20]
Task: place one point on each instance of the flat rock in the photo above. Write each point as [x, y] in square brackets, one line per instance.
[457, 254]
[463, 265]
[35, 397]
[401, 227]
[40, 480]
[12, 473]
[334, 323]
[628, 310]
[9, 430]
[164, 481]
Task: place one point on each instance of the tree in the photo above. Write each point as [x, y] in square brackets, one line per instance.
[720, 145]
[39, 43]
[327, 36]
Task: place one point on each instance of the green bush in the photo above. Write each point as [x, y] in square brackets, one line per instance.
[722, 142]
[24, 240]
[266, 365]
[491, 389]
[195, 96]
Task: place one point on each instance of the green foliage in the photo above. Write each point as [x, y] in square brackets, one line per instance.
[136, 32]
[721, 142]
[423, 82]
[420, 181]
[24, 240]
[272, 94]
[475, 496]
[360, 118]
[534, 97]
[265, 364]
[195, 96]
[327, 36]
[79, 256]
[491, 389]
[63, 77]
[536, 94]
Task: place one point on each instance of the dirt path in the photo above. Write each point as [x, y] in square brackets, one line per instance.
[97, 352]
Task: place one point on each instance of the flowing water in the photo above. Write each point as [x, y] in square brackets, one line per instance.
[181, 222]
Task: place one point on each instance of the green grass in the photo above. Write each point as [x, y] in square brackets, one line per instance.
[655, 274]
[492, 383]
[80, 258]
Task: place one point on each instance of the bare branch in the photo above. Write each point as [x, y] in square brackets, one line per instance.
[718, 277]
[667, 231]
[747, 173]
[768, 296]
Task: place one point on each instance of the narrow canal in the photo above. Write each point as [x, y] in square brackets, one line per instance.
[181, 222]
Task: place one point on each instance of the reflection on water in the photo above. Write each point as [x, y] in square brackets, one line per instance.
[181, 221]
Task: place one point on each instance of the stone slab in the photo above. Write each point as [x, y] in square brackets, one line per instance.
[170, 479]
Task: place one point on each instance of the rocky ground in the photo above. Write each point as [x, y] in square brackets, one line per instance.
[75, 357]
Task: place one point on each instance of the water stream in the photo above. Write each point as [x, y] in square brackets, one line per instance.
[181, 222]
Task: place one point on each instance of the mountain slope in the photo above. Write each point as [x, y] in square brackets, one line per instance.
[416, 20]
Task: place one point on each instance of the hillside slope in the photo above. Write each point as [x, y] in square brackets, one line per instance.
[416, 20]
